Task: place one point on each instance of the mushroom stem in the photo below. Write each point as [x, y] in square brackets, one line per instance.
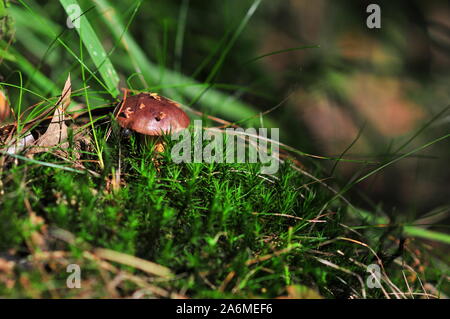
[157, 141]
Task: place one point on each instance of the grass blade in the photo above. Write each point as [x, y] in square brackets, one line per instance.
[95, 49]
[132, 261]
[427, 234]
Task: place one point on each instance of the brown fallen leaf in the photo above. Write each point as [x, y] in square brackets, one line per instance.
[5, 109]
[56, 133]
[6, 266]
[20, 144]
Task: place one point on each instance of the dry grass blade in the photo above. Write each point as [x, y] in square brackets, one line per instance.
[396, 291]
[333, 265]
[269, 256]
[291, 216]
[144, 265]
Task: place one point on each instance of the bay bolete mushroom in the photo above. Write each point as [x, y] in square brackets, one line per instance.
[152, 115]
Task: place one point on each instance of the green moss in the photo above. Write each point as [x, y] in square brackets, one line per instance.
[203, 221]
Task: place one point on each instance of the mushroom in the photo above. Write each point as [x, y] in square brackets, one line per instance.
[152, 116]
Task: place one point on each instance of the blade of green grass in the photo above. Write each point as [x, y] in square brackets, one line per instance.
[95, 49]
[282, 51]
[179, 39]
[427, 234]
[91, 119]
[30, 160]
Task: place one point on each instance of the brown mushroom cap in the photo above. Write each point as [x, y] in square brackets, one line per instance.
[151, 114]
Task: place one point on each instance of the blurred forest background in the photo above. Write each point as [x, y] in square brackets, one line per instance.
[386, 83]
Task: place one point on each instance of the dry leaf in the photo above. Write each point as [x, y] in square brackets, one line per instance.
[5, 109]
[21, 144]
[56, 133]
[6, 266]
